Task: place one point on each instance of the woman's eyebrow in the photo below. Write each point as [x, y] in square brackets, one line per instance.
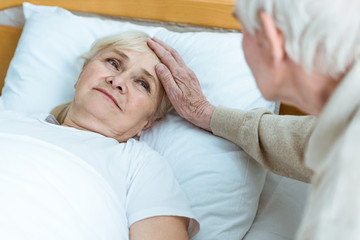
[122, 55]
[148, 75]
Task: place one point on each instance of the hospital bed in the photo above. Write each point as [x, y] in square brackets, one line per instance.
[232, 196]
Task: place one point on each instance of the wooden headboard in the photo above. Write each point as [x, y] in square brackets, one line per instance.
[213, 13]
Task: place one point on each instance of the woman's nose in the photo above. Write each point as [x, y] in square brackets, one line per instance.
[118, 82]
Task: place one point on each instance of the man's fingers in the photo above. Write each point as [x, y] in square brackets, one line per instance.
[181, 85]
[171, 50]
[165, 77]
[167, 54]
[164, 55]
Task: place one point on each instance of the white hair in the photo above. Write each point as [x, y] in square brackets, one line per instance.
[320, 35]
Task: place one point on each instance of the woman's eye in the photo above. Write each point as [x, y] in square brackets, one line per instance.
[113, 62]
[145, 85]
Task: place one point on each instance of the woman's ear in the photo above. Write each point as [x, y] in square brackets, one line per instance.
[273, 37]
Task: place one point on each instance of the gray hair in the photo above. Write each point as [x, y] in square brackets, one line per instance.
[129, 40]
[320, 35]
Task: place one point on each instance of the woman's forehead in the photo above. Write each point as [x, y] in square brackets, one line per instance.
[142, 50]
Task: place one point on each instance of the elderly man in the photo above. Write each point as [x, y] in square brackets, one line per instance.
[305, 53]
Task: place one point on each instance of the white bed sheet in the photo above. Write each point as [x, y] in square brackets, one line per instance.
[282, 200]
[45, 194]
[280, 210]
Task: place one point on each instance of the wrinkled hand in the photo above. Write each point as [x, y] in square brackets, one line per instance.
[181, 85]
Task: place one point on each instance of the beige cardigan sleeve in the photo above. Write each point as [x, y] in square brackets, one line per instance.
[277, 142]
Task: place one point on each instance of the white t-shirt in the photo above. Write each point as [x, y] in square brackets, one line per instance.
[142, 180]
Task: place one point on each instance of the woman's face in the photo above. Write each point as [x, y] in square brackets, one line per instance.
[117, 93]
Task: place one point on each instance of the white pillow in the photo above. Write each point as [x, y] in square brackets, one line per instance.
[222, 183]
[281, 207]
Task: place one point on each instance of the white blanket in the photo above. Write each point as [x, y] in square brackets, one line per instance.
[48, 193]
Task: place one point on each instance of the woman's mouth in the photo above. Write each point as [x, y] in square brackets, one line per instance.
[108, 96]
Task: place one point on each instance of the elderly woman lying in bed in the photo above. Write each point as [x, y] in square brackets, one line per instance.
[117, 95]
